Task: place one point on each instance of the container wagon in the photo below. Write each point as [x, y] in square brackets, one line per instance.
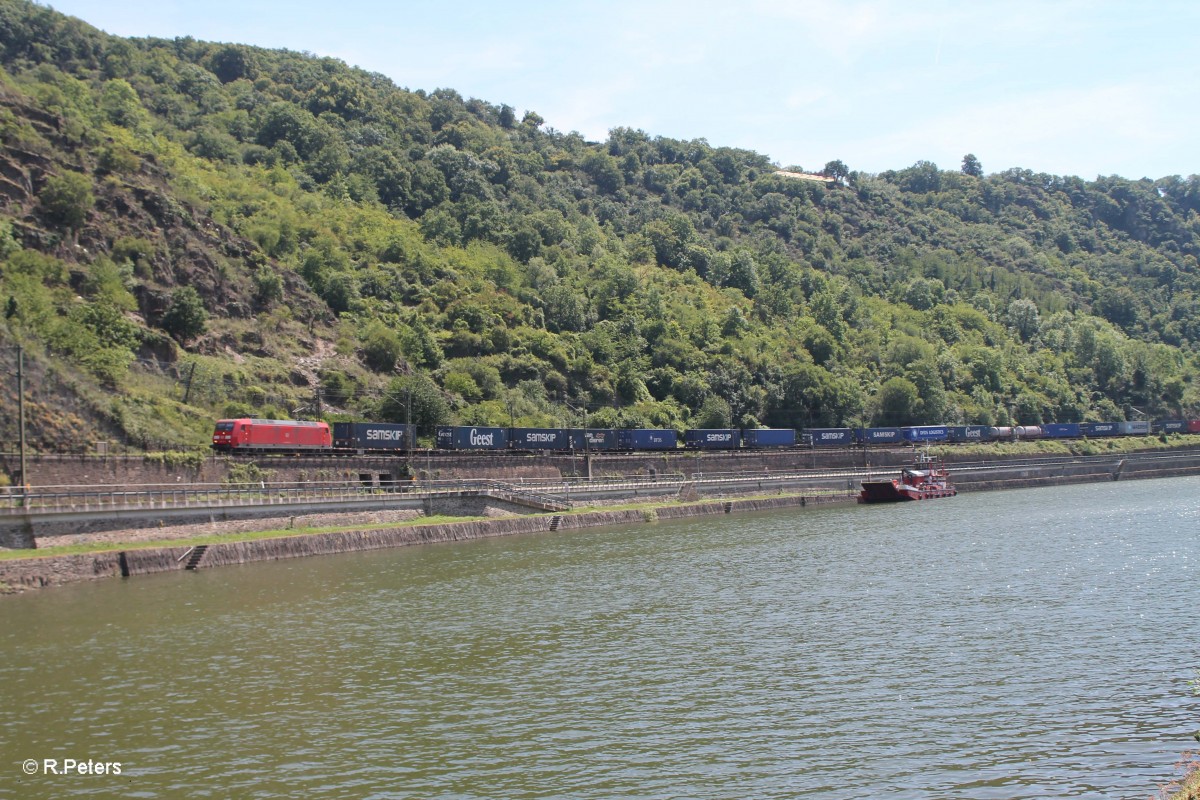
[712, 439]
[969, 433]
[647, 439]
[758, 438]
[1099, 428]
[878, 436]
[471, 438]
[830, 437]
[1061, 430]
[587, 439]
[925, 433]
[1135, 428]
[373, 436]
[539, 439]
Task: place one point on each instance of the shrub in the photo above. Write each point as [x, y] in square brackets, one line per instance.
[246, 472]
[67, 199]
[185, 318]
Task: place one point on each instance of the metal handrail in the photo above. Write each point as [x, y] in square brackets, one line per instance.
[50, 499]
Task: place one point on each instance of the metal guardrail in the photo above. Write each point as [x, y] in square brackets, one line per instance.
[61, 499]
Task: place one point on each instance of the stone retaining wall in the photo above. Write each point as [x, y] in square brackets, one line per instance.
[35, 573]
[220, 524]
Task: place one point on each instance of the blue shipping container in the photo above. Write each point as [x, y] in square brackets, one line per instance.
[538, 439]
[969, 433]
[585, 439]
[1099, 428]
[1172, 425]
[373, 436]
[646, 439]
[769, 437]
[830, 437]
[713, 438]
[926, 433]
[878, 435]
[468, 438]
[1061, 430]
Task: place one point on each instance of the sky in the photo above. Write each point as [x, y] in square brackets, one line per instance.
[1058, 86]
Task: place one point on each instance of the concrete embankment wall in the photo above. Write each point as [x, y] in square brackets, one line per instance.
[29, 573]
[93, 470]
[1116, 468]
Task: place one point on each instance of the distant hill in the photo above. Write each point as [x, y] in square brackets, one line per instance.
[191, 230]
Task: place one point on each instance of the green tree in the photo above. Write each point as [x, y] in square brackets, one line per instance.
[232, 62]
[67, 199]
[420, 396]
[121, 104]
[714, 413]
[381, 347]
[743, 274]
[1024, 318]
[971, 166]
[603, 169]
[268, 286]
[185, 318]
[836, 170]
[820, 344]
[899, 401]
[566, 310]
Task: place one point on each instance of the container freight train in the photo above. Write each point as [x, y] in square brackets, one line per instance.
[285, 436]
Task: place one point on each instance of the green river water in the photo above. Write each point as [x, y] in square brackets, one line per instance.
[1020, 644]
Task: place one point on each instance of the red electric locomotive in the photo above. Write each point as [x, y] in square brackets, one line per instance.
[244, 435]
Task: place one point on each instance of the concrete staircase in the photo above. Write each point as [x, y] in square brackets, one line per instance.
[197, 553]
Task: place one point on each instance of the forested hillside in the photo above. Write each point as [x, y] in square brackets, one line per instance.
[191, 230]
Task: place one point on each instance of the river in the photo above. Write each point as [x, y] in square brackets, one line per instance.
[1019, 644]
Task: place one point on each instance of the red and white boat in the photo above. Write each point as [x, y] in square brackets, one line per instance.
[927, 479]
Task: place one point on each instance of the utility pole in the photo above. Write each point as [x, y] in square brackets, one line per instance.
[188, 391]
[21, 415]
